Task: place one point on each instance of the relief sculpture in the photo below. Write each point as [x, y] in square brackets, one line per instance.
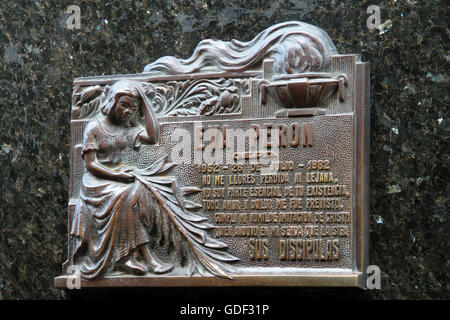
[244, 164]
[119, 205]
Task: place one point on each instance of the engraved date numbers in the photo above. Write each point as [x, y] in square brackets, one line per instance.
[318, 165]
[208, 168]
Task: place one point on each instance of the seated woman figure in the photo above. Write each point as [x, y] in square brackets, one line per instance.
[109, 225]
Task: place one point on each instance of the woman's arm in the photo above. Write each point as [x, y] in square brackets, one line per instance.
[99, 170]
[151, 123]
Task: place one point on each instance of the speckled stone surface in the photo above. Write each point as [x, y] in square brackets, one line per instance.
[39, 58]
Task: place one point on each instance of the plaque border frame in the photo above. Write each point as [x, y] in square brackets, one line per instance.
[315, 278]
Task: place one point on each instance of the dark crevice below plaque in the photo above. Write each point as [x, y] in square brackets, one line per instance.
[243, 165]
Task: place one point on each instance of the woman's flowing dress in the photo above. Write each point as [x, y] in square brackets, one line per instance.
[109, 220]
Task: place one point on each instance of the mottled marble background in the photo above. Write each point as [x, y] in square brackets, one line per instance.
[409, 55]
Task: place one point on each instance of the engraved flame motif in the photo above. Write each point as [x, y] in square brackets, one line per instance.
[294, 46]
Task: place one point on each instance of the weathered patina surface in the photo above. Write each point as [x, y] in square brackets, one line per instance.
[245, 164]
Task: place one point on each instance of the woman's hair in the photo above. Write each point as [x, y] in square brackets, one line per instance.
[119, 89]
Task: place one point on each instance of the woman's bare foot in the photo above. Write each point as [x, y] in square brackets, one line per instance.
[160, 267]
[132, 266]
[153, 263]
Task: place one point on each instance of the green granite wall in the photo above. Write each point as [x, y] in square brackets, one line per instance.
[40, 56]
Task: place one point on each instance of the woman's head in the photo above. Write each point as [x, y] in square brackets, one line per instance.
[123, 102]
[125, 108]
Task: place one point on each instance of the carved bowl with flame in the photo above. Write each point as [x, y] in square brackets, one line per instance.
[305, 90]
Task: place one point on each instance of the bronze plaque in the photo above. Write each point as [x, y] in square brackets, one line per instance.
[243, 165]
